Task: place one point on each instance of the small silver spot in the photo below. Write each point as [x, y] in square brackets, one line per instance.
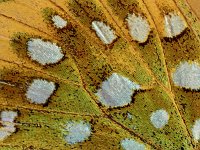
[7, 119]
[196, 130]
[39, 91]
[174, 25]
[77, 132]
[104, 32]
[59, 22]
[129, 116]
[159, 118]
[130, 144]
[138, 27]
[8, 116]
[4, 134]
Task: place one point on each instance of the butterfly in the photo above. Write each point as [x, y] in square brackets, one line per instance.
[95, 74]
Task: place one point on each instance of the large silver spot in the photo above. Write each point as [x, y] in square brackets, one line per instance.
[159, 118]
[44, 52]
[138, 27]
[116, 91]
[77, 132]
[174, 25]
[130, 144]
[187, 75]
[104, 32]
[39, 91]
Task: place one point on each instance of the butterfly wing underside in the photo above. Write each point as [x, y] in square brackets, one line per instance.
[97, 74]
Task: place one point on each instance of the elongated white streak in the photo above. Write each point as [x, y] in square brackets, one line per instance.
[174, 25]
[77, 131]
[7, 119]
[187, 75]
[159, 118]
[44, 52]
[6, 83]
[59, 22]
[98, 30]
[168, 27]
[138, 27]
[104, 32]
[196, 130]
[39, 91]
[116, 91]
[130, 144]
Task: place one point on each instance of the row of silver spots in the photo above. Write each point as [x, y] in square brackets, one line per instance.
[45, 52]
[139, 28]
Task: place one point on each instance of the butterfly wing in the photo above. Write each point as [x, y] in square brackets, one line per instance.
[98, 74]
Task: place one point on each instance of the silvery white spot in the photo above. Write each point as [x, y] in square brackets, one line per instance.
[9, 127]
[138, 27]
[104, 32]
[174, 25]
[159, 118]
[187, 75]
[39, 91]
[77, 132]
[59, 22]
[4, 134]
[116, 91]
[130, 144]
[44, 52]
[129, 116]
[196, 130]
[7, 118]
